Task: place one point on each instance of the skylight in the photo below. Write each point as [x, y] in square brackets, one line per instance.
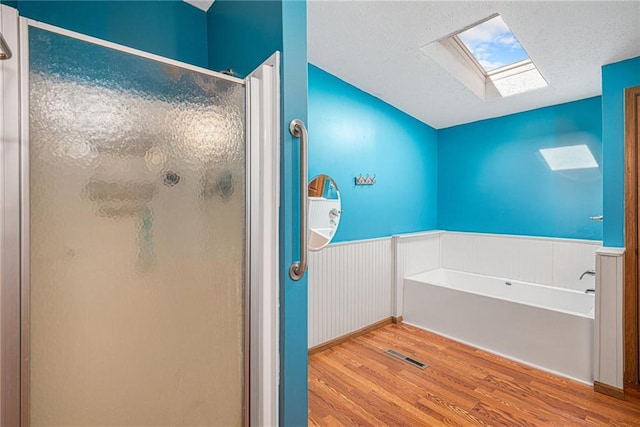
[569, 157]
[493, 44]
[488, 58]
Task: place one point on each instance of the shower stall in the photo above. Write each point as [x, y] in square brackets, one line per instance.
[134, 238]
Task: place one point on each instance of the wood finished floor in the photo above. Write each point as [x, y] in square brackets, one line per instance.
[355, 383]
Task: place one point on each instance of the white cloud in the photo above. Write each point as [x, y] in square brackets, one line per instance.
[492, 44]
[488, 31]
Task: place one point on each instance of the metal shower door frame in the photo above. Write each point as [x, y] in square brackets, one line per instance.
[9, 223]
[261, 129]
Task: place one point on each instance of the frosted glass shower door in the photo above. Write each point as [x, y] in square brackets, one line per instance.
[136, 239]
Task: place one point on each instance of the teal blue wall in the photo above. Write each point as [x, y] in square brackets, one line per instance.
[247, 49]
[293, 302]
[492, 178]
[615, 78]
[352, 133]
[242, 34]
[486, 176]
[293, 295]
[171, 28]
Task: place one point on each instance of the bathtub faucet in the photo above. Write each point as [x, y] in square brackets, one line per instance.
[589, 272]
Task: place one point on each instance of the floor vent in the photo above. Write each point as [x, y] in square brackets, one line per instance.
[407, 359]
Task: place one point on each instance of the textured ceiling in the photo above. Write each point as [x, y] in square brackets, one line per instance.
[375, 46]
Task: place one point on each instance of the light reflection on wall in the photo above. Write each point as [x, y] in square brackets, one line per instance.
[569, 157]
[493, 178]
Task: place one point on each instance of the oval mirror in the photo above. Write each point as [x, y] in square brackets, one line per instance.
[324, 211]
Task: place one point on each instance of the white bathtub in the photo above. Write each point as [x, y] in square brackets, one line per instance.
[542, 326]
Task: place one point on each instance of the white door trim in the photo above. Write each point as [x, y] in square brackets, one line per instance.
[263, 101]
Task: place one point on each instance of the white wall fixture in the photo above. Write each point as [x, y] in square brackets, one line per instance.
[609, 328]
[365, 179]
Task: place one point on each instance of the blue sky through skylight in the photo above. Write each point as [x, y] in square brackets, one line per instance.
[493, 44]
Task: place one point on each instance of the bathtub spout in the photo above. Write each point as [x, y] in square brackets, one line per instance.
[590, 291]
[589, 272]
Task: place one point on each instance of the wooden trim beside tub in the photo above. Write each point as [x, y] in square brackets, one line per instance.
[631, 301]
[351, 335]
[608, 390]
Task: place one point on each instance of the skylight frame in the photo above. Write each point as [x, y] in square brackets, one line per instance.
[501, 73]
[507, 68]
[467, 55]
[479, 69]
[516, 78]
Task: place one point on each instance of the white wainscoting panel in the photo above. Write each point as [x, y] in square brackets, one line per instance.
[511, 257]
[413, 253]
[355, 284]
[350, 287]
[608, 328]
[570, 260]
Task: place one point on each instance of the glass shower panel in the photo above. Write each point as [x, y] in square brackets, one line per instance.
[137, 239]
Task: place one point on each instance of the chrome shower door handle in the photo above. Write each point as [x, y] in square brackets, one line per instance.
[5, 52]
[596, 218]
[298, 130]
